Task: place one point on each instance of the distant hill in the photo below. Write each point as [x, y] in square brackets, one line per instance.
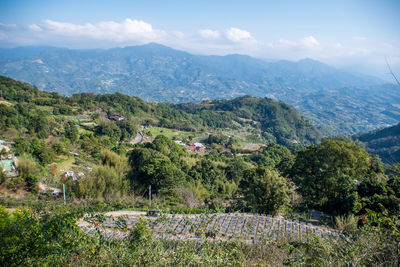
[338, 102]
[383, 142]
[266, 119]
[275, 119]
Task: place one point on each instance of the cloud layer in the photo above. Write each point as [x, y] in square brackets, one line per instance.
[106, 34]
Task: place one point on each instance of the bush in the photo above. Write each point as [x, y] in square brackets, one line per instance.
[31, 183]
[347, 224]
[27, 166]
[141, 235]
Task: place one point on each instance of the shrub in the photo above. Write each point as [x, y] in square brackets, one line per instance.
[141, 235]
[347, 224]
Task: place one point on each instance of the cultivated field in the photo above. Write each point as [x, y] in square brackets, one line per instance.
[219, 227]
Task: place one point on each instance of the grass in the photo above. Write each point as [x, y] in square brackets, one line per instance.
[65, 164]
[173, 134]
[47, 109]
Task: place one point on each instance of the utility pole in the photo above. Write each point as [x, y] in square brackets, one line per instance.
[149, 196]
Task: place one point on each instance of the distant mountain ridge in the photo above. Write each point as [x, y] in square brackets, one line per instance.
[334, 100]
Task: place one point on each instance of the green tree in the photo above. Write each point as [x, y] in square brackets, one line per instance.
[150, 167]
[62, 147]
[274, 156]
[39, 149]
[40, 124]
[265, 190]
[32, 183]
[236, 168]
[70, 131]
[327, 175]
[207, 172]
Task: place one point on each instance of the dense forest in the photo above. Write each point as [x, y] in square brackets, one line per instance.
[87, 142]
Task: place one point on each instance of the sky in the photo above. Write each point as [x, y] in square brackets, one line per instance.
[356, 35]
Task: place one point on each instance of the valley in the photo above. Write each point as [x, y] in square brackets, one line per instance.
[337, 102]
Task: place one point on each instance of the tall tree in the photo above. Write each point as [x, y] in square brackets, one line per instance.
[265, 190]
[327, 175]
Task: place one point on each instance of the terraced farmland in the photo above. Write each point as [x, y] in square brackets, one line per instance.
[219, 227]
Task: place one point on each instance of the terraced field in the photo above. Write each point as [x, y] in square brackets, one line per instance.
[219, 227]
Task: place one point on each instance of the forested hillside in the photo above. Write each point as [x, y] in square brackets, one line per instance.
[275, 121]
[107, 150]
[336, 101]
[127, 143]
[383, 142]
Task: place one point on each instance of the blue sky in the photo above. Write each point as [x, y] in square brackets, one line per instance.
[350, 34]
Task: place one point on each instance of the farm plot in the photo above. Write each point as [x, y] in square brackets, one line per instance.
[219, 227]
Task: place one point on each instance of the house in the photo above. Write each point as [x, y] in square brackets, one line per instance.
[199, 145]
[192, 147]
[117, 117]
[71, 174]
[202, 149]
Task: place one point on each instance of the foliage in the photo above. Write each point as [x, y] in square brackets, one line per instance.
[274, 156]
[28, 167]
[141, 235]
[29, 237]
[327, 175]
[375, 243]
[70, 131]
[107, 182]
[347, 224]
[150, 167]
[384, 142]
[333, 99]
[265, 190]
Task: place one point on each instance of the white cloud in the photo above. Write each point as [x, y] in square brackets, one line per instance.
[127, 30]
[237, 35]
[209, 34]
[107, 34]
[9, 26]
[287, 43]
[310, 42]
[35, 27]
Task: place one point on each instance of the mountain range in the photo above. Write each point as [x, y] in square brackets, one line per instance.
[338, 102]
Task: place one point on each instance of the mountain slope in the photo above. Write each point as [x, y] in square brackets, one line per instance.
[383, 142]
[267, 119]
[336, 101]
